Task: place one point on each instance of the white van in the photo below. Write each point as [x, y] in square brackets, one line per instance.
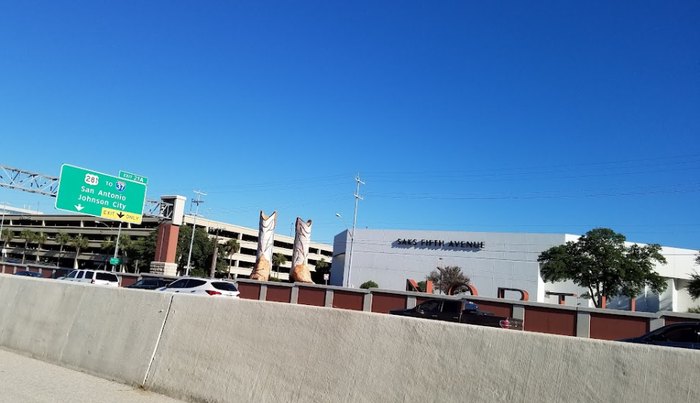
[99, 277]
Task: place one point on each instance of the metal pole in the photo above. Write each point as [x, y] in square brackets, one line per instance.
[194, 225]
[2, 238]
[354, 224]
[116, 245]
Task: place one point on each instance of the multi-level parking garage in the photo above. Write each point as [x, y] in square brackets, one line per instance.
[101, 232]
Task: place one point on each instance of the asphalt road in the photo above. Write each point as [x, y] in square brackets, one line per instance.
[27, 380]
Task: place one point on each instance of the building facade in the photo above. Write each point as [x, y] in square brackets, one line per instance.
[101, 233]
[491, 261]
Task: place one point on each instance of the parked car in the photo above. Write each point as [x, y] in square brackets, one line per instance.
[99, 277]
[150, 283]
[683, 335]
[458, 310]
[202, 286]
[28, 273]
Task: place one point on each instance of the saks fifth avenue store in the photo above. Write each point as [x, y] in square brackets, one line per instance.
[491, 260]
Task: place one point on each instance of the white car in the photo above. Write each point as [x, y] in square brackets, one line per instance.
[99, 277]
[202, 286]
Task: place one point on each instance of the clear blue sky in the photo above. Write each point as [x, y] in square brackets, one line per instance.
[553, 117]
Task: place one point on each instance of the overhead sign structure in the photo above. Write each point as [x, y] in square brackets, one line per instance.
[94, 193]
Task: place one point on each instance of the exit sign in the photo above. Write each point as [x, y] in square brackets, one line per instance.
[94, 193]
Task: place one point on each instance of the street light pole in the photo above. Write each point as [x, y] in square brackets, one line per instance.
[354, 224]
[198, 201]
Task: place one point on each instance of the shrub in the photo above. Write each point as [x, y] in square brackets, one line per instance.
[369, 284]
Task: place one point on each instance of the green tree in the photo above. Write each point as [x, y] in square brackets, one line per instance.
[7, 236]
[62, 239]
[79, 242]
[202, 249]
[142, 251]
[28, 236]
[322, 268]
[448, 278]
[278, 260]
[125, 247]
[39, 239]
[600, 262]
[107, 246]
[694, 286]
[369, 284]
[226, 251]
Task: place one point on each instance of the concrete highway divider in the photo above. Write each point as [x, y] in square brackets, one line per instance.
[216, 349]
[108, 332]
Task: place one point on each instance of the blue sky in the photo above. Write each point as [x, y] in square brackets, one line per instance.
[552, 117]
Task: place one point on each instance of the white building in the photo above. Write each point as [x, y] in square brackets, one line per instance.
[491, 260]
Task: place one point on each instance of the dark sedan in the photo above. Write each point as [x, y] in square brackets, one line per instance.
[683, 335]
[458, 310]
[28, 274]
[150, 283]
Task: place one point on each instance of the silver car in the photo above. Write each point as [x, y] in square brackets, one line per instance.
[99, 277]
[202, 286]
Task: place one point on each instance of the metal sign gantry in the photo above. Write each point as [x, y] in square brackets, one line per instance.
[32, 182]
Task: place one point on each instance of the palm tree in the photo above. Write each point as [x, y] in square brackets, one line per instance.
[63, 239]
[278, 260]
[694, 286]
[79, 242]
[322, 266]
[448, 278]
[230, 248]
[125, 245]
[28, 236]
[322, 269]
[39, 239]
[7, 236]
[106, 247]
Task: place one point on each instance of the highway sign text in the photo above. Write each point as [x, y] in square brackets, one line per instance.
[100, 195]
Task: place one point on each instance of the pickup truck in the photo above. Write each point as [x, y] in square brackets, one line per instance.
[458, 310]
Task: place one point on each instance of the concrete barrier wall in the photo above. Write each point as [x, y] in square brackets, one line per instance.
[109, 332]
[239, 350]
[216, 350]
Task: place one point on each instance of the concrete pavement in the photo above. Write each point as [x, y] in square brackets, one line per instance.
[28, 380]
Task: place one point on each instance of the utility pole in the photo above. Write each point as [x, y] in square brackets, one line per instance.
[198, 201]
[358, 182]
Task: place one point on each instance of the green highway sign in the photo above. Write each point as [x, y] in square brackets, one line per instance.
[133, 177]
[114, 261]
[94, 193]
